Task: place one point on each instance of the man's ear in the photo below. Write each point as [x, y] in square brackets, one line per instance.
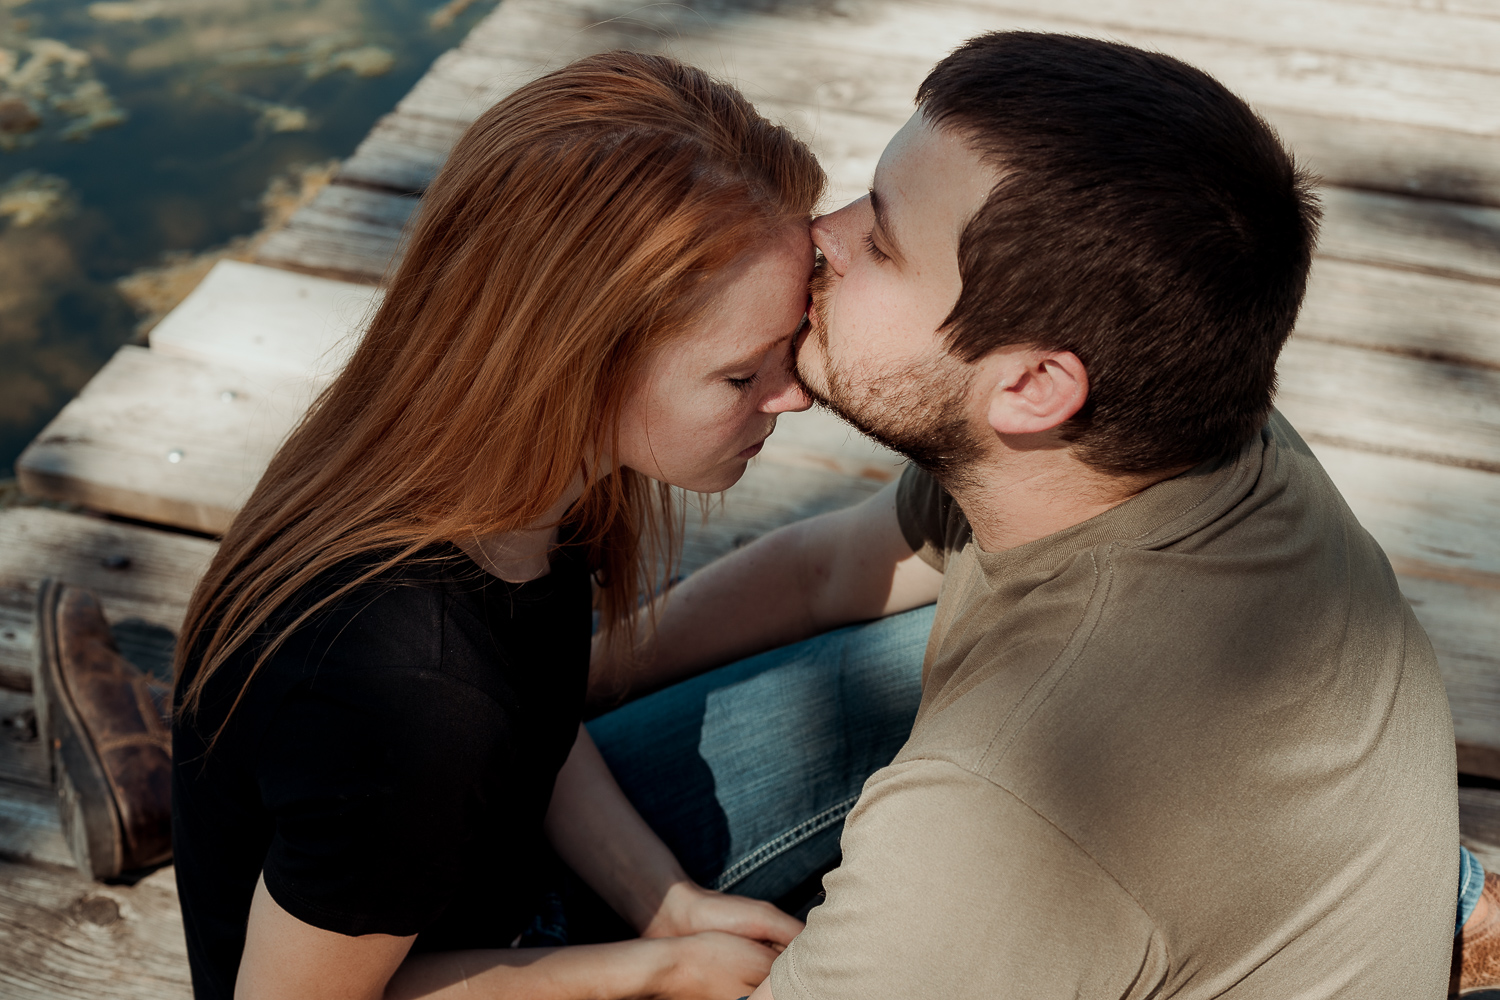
[1036, 390]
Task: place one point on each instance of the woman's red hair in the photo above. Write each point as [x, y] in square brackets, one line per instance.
[578, 225]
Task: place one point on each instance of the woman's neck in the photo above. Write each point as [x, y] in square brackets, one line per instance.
[524, 554]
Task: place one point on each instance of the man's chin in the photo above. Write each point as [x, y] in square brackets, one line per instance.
[937, 441]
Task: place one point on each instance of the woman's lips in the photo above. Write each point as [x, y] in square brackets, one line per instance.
[753, 450]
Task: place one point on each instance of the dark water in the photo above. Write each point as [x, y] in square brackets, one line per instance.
[133, 131]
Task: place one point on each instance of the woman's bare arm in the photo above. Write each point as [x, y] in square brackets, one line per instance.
[798, 581]
[287, 959]
[596, 830]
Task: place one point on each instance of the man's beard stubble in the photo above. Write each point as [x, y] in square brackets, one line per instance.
[917, 410]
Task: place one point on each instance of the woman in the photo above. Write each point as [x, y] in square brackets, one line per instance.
[383, 670]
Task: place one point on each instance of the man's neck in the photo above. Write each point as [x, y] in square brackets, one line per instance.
[1012, 500]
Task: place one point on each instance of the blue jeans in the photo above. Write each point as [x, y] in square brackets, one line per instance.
[1470, 885]
[747, 772]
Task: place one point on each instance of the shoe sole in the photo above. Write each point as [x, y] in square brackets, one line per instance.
[86, 802]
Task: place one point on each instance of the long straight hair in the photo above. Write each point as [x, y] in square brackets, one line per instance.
[578, 226]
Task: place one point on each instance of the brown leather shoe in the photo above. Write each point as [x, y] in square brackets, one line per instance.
[1476, 949]
[113, 742]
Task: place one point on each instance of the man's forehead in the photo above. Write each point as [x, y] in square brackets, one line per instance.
[929, 177]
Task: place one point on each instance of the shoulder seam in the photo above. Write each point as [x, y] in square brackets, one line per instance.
[1034, 697]
[1061, 832]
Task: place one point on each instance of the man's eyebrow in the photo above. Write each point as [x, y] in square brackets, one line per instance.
[883, 223]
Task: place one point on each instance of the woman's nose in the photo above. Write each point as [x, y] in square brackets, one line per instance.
[791, 398]
[834, 233]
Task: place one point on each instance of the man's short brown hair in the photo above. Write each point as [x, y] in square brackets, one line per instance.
[1146, 220]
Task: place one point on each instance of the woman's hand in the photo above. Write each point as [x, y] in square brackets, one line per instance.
[597, 831]
[711, 966]
[689, 908]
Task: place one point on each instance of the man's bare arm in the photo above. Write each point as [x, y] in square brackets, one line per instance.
[809, 577]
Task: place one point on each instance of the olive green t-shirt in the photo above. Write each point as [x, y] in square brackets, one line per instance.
[1194, 747]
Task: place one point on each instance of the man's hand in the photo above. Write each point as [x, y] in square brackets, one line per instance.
[690, 909]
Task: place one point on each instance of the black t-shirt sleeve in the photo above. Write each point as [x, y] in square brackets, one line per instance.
[931, 522]
[370, 776]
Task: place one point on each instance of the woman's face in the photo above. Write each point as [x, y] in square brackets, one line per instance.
[708, 399]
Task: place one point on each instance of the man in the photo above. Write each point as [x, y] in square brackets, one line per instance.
[1179, 734]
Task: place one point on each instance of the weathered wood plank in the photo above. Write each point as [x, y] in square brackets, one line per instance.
[1479, 824]
[1468, 8]
[794, 71]
[30, 830]
[165, 439]
[23, 752]
[1404, 312]
[803, 67]
[1291, 74]
[770, 495]
[17, 634]
[1432, 520]
[1438, 237]
[1273, 46]
[1408, 34]
[819, 440]
[402, 153]
[825, 62]
[1391, 156]
[348, 233]
[265, 318]
[1441, 412]
[144, 579]
[67, 938]
[461, 83]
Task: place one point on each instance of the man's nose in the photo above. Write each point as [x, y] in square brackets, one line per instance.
[836, 234]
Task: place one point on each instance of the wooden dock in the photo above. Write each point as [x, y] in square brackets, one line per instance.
[1393, 375]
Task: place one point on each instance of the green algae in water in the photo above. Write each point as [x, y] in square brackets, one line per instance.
[133, 131]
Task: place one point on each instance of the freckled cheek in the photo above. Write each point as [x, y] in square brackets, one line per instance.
[708, 427]
[732, 428]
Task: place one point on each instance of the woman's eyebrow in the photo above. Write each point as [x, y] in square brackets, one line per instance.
[756, 357]
[883, 224]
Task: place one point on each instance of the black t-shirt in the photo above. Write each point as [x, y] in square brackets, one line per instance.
[389, 766]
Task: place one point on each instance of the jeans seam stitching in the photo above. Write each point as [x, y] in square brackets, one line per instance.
[783, 842]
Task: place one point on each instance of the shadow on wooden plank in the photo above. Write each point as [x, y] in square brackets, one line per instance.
[30, 830]
[1426, 316]
[143, 577]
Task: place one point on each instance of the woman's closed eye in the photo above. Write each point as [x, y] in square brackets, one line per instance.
[873, 249]
[744, 384]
